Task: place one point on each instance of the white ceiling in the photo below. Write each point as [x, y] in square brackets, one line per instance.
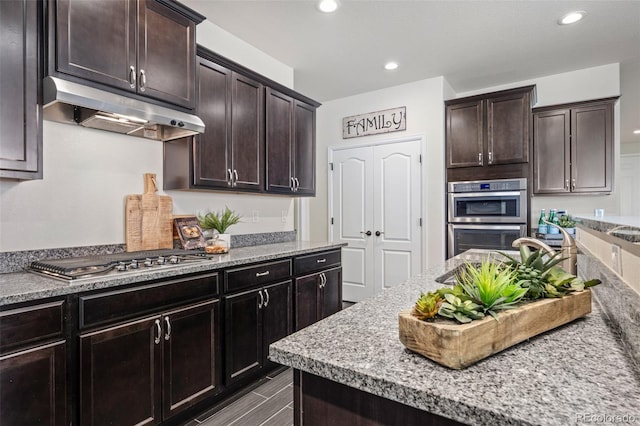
[473, 44]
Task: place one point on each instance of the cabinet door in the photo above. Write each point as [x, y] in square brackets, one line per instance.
[551, 151]
[508, 129]
[121, 374]
[247, 133]
[279, 140]
[276, 313]
[191, 356]
[97, 41]
[307, 304]
[305, 149]
[592, 148]
[331, 301]
[243, 335]
[166, 54]
[33, 386]
[212, 154]
[20, 116]
[464, 134]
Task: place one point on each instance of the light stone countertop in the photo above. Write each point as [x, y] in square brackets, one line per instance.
[558, 378]
[23, 286]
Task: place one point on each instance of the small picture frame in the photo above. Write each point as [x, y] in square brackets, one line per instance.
[188, 228]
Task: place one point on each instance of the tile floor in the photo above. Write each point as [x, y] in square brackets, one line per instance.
[270, 404]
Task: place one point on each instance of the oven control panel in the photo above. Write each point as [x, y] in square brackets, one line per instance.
[489, 185]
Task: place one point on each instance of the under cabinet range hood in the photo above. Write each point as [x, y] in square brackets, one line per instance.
[68, 102]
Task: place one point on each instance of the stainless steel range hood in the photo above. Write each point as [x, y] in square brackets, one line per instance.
[68, 102]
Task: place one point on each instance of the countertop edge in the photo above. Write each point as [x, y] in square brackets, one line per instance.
[18, 287]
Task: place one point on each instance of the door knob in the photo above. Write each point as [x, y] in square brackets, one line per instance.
[368, 233]
[378, 233]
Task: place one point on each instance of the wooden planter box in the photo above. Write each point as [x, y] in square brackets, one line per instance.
[460, 345]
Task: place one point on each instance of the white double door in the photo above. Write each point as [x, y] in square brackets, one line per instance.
[375, 205]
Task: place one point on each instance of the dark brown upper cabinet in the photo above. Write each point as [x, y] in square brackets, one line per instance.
[573, 148]
[290, 144]
[146, 47]
[230, 152]
[21, 112]
[490, 129]
[259, 135]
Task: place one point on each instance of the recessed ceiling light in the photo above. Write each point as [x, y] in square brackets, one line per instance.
[636, 132]
[572, 17]
[328, 6]
[390, 66]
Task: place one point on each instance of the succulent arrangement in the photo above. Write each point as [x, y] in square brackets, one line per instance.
[219, 221]
[494, 286]
[566, 221]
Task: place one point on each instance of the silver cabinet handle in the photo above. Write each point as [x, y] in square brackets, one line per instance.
[573, 184]
[566, 184]
[293, 184]
[297, 184]
[480, 158]
[159, 332]
[321, 261]
[323, 280]
[132, 77]
[262, 274]
[266, 302]
[261, 302]
[490, 157]
[230, 180]
[235, 177]
[167, 335]
[143, 81]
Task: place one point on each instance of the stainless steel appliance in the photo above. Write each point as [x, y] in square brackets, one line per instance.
[68, 102]
[72, 268]
[486, 214]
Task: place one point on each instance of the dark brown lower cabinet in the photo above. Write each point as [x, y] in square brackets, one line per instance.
[317, 296]
[33, 386]
[253, 320]
[147, 370]
[317, 399]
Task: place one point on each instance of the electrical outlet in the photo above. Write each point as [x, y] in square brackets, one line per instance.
[616, 261]
[284, 216]
[255, 216]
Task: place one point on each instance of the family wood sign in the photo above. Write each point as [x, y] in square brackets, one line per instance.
[373, 123]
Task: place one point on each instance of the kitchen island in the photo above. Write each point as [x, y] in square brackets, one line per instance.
[352, 366]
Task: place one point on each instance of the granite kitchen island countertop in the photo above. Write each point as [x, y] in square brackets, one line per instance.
[23, 286]
[569, 375]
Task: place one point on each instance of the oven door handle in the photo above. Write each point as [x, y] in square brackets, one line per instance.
[455, 195]
[456, 226]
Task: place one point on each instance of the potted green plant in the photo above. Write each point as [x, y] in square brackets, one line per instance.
[567, 222]
[219, 222]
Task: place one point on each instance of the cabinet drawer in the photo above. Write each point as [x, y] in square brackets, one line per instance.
[256, 275]
[110, 306]
[22, 326]
[316, 262]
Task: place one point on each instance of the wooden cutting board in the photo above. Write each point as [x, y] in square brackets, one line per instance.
[149, 218]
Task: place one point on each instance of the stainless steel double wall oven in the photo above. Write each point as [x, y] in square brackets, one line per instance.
[486, 214]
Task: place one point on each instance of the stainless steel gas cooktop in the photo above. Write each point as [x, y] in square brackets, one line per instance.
[80, 267]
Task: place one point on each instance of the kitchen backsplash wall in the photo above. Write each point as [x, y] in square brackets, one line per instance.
[88, 173]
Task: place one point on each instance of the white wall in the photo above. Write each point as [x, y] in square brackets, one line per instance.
[425, 116]
[88, 173]
[581, 85]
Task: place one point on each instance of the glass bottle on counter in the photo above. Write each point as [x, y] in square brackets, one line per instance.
[553, 218]
[542, 226]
